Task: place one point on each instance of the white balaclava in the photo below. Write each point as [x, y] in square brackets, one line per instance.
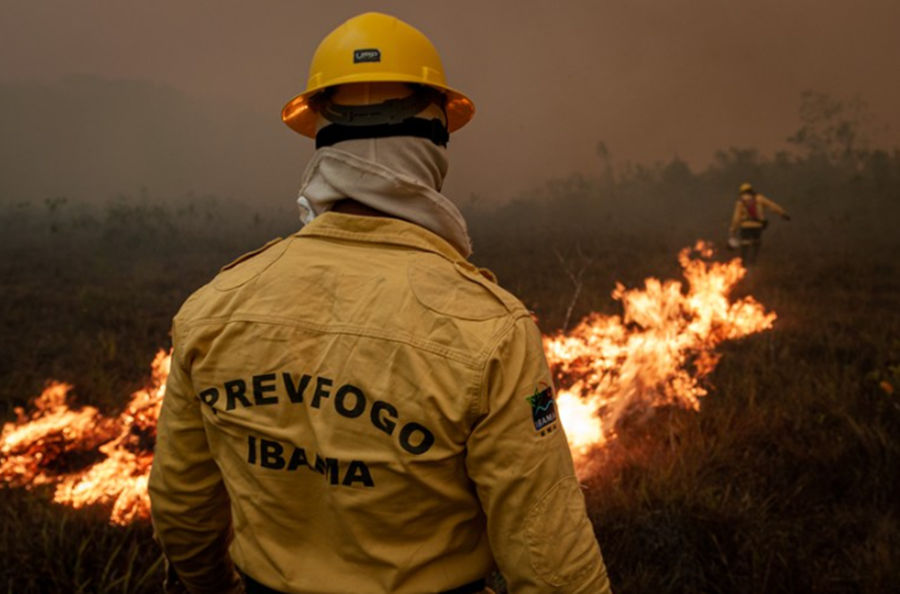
[400, 176]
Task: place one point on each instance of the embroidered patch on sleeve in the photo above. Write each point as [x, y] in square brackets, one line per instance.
[543, 408]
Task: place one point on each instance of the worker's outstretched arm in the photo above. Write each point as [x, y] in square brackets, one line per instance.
[520, 462]
[190, 507]
[773, 206]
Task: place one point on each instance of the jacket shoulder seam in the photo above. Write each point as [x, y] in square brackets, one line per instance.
[251, 254]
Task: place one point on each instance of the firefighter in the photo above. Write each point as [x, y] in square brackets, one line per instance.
[749, 221]
[357, 408]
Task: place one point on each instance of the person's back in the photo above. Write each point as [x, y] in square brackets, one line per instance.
[363, 350]
[357, 408]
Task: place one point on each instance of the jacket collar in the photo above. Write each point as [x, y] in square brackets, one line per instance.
[380, 230]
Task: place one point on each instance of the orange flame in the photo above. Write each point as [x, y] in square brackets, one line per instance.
[658, 352]
[61, 446]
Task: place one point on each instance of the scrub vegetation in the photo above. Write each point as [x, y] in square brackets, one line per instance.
[785, 481]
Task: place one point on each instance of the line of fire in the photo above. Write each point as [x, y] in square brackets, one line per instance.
[658, 352]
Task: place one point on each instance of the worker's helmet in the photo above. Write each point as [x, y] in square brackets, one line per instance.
[746, 188]
[375, 48]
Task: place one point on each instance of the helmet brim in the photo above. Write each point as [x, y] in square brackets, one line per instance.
[300, 117]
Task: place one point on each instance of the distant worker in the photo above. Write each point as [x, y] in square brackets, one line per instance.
[749, 221]
[357, 409]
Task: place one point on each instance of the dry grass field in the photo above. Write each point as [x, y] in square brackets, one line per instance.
[785, 481]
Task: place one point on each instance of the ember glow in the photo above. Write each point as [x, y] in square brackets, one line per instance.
[658, 352]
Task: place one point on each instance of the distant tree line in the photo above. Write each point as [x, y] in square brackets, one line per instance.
[842, 190]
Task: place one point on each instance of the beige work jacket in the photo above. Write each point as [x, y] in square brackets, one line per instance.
[357, 409]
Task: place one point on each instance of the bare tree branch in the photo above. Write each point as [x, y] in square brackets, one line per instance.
[576, 278]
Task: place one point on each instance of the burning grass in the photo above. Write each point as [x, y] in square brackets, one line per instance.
[39, 449]
[657, 353]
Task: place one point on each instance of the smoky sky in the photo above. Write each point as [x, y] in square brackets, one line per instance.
[175, 96]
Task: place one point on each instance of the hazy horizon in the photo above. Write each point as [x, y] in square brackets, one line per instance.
[101, 97]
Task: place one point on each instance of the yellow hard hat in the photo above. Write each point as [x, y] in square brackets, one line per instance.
[371, 48]
[746, 188]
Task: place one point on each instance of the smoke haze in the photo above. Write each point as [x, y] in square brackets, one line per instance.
[166, 98]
